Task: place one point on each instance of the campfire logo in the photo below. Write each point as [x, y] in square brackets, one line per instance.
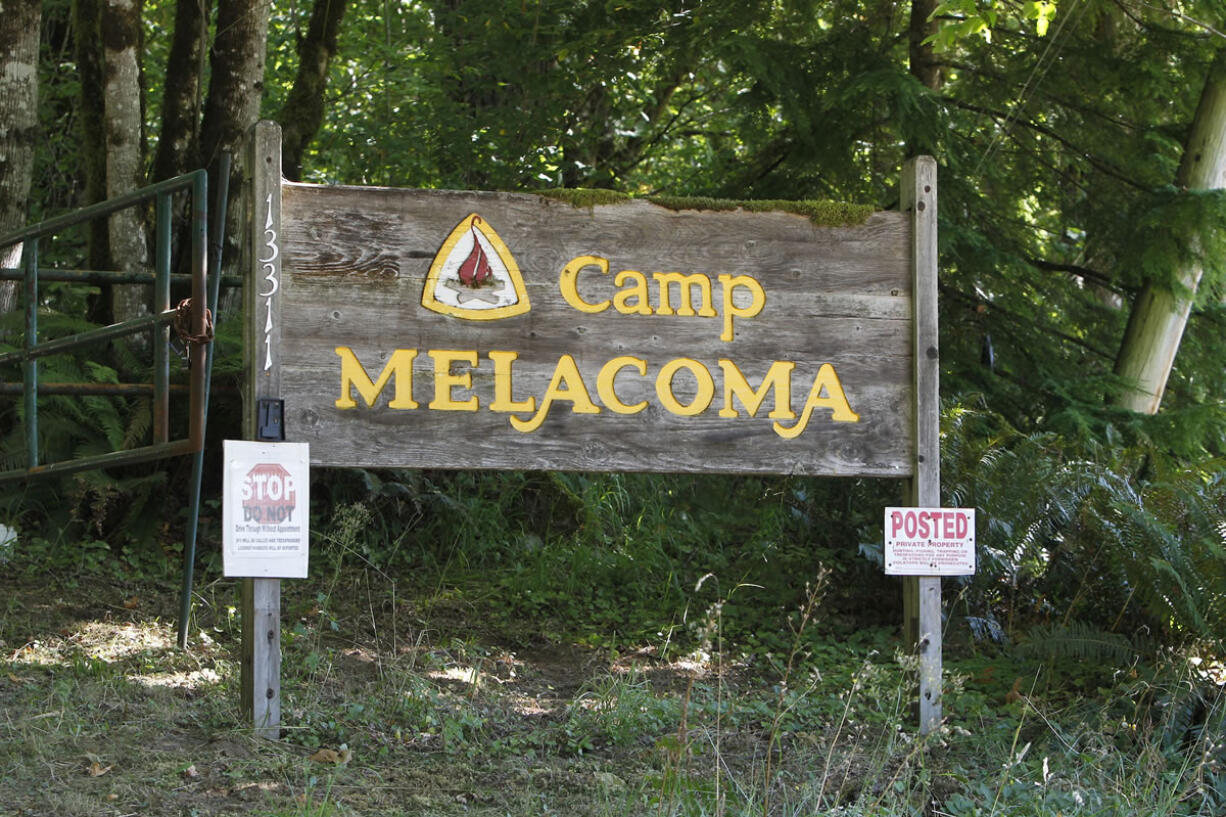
[269, 496]
[474, 276]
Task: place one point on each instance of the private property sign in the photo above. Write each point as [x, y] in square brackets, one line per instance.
[929, 541]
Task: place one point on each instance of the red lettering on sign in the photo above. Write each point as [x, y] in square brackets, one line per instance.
[269, 495]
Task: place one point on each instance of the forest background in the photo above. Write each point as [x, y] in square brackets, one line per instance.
[1081, 145]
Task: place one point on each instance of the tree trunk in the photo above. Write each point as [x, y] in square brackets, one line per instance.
[19, 30]
[87, 51]
[237, 82]
[123, 130]
[304, 108]
[923, 61]
[233, 104]
[182, 101]
[1158, 317]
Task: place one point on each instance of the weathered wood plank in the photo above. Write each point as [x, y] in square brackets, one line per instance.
[922, 598]
[357, 262]
[261, 655]
[265, 294]
[403, 229]
[265, 339]
[600, 443]
[808, 330]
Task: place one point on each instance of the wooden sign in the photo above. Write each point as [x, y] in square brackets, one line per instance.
[494, 330]
[440, 329]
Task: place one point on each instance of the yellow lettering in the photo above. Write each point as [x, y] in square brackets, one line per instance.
[606, 385]
[566, 373]
[638, 290]
[445, 380]
[354, 375]
[779, 377]
[569, 286]
[703, 395]
[567, 384]
[827, 380]
[503, 399]
[685, 287]
[757, 301]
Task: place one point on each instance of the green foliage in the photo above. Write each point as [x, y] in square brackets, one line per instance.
[1175, 231]
[1079, 642]
[608, 559]
[1087, 533]
[1058, 128]
[123, 508]
[977, 18]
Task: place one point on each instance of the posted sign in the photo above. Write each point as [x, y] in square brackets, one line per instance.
[266, 510]
[929, 541]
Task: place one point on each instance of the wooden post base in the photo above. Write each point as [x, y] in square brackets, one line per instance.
[922, 633]
[261, 672]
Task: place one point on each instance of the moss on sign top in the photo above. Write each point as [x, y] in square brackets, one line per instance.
[821, 213]
[584, 196]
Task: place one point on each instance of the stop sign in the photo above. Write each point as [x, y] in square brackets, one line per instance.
[268, 494]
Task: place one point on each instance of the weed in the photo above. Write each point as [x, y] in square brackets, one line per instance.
[451, 722]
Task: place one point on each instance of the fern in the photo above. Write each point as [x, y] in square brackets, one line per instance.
[1067, 528]
[1077, 640]
[140, 422]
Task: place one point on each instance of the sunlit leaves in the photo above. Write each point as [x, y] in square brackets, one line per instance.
[1041, 12]
[963, 19]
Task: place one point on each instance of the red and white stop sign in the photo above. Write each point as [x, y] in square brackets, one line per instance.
[269, 496]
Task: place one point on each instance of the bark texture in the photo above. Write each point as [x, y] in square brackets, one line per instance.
[923, 61]
[232, 107]
[1158, 317]
[237, 82]
[183, 101]
[303, 113]
[87, 49]
[19, 29]
[120, 26]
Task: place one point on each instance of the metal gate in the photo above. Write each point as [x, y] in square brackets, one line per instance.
[189, 319]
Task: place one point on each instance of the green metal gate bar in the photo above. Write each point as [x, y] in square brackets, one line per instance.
[193, 514]
[159, 322]
[80, 276]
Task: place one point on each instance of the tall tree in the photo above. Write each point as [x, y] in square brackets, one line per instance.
[19, 32]
[1160, 312]
[182, 95]
[88, 53]
[236, 83]
[123, 128]
[924, 63]
[303, 111]
[236, 89]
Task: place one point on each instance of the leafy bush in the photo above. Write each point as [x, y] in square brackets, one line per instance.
[1122, 537]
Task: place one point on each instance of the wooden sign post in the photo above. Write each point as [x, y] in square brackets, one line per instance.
[445, 329]
[263, 299]
[922, 595]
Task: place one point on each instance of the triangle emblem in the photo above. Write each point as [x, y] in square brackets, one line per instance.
[474, 276]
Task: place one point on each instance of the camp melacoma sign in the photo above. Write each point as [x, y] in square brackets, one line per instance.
[490, 330]
[440, 329]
